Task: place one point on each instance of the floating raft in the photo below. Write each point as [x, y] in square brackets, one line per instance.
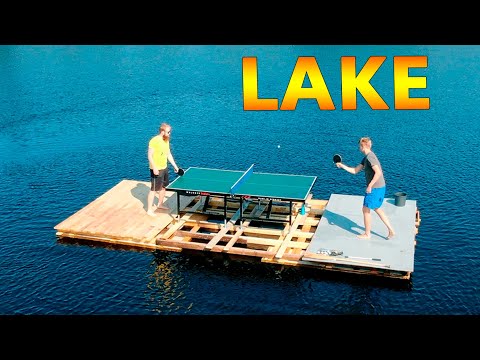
[322, 237]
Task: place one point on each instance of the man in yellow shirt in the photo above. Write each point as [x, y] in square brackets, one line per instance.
[158, 154]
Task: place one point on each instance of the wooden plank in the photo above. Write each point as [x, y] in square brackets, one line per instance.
[233, 240]
[296, 245]
[180, 222]
[257, 211]
[111, 213]
[107, 240]
[193, 230]
[318, 203]
[88, 214]
[248, 240]
[87, 208]
[260, 231]
[194, 235]
[301, 239]
[298, 220]
[215, 239]
[308, 199]
[227, 227]
[180, 244]
[204, 224]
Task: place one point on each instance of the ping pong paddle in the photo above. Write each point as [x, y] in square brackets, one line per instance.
[337, 158]
[180, 172]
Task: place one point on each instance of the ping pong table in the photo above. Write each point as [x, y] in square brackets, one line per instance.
[243, 186]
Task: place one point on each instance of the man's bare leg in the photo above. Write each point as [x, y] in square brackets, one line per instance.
[161, 196]
[386, 221]
[150, 203]
[367, 218]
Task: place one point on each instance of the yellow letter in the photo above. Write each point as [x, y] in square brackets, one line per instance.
[250, 88]
[350, 83]
[307, 66]
[402, 83]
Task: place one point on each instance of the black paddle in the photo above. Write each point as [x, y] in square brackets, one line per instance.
[180, 172]
[337, 158]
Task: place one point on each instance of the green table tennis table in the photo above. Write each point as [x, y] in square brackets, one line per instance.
[243, 186]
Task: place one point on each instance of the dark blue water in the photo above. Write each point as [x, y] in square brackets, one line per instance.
[75, 120]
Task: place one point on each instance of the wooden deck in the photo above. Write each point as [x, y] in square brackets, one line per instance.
[119, 217]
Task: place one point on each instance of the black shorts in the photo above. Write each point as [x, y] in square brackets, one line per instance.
[157, 182]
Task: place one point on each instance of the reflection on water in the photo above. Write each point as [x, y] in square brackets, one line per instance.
[190, 282]
[167, 287]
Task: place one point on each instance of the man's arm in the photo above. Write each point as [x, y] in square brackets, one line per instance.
[352, 170]
[150, 160]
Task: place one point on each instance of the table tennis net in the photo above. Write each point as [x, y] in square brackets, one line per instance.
[242, 179]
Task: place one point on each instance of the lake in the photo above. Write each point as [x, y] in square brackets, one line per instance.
[75, 120]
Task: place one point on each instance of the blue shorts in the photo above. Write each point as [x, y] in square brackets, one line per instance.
[375, 199]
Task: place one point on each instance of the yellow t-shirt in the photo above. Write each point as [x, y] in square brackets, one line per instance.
[161, 148]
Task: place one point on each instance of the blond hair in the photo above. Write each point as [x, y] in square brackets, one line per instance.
[365, 141]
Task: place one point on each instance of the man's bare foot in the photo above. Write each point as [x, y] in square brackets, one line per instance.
[390, 235]
[163, 207]
[363, 236]
[151, 213]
